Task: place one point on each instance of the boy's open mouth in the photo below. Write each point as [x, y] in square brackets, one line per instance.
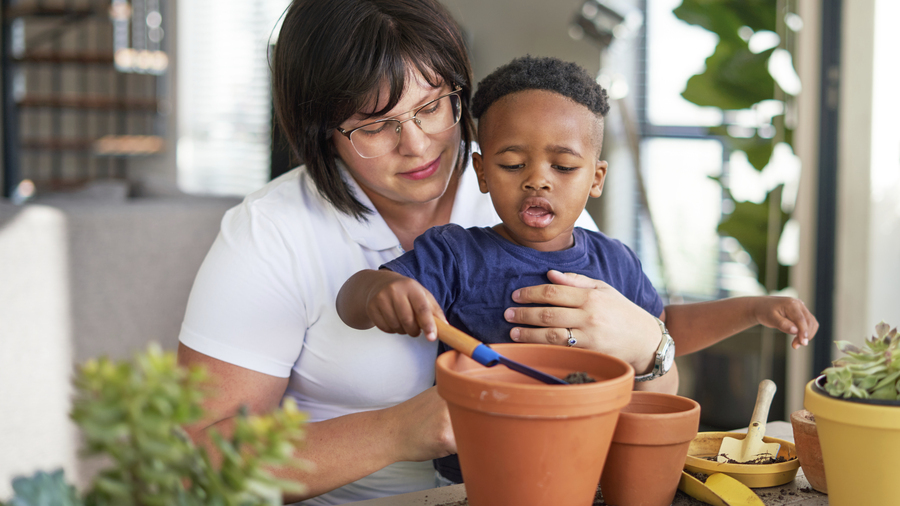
[536, 212]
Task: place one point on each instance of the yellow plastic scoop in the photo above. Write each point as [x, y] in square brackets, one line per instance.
[719, 490]
[752, 448]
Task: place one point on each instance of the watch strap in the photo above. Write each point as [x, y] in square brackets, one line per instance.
[659, 357]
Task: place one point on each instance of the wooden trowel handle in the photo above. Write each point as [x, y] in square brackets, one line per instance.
[763, 401]
[459, 340]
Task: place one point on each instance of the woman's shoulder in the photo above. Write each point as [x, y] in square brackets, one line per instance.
[287, 199]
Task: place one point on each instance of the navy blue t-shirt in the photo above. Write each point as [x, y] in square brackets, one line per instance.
[473, 272]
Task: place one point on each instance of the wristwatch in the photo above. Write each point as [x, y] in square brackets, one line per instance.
[665, 356]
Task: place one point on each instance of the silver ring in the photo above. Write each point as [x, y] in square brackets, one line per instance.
[571, 341]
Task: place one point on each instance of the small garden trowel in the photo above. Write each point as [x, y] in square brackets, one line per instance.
[752, 448]
[484, 355]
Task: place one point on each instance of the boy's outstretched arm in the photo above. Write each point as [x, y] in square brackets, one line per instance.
[699, 325]
[390, 301]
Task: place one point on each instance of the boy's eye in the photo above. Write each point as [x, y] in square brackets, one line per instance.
[511, 167]
[562, 168]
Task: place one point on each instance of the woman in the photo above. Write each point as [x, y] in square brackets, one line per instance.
[261, 316]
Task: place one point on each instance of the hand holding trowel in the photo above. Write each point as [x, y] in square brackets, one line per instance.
[752, 448]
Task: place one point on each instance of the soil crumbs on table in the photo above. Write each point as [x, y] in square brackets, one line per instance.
[574, 378]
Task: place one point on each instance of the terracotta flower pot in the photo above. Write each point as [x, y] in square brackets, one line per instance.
[525, 443]
[806, 439]
[648, 449]
[860, 443]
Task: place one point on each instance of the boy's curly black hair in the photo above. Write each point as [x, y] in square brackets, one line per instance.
[540, 73]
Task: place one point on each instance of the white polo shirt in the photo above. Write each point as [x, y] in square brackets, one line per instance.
[264, 299]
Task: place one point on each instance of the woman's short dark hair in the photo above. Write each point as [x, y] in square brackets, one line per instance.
[333, 56]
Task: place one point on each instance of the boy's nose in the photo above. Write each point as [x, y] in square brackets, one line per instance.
[536, 180]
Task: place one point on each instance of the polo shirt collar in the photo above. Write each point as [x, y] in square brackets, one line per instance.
[374, 234]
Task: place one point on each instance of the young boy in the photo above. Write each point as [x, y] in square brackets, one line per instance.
[540, 133]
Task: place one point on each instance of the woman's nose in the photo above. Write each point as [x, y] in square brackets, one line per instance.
[413, 141]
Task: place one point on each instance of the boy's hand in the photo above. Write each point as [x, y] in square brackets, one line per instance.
[401, 305]
[788, 315]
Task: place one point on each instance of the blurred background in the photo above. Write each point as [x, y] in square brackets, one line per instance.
[753, 149]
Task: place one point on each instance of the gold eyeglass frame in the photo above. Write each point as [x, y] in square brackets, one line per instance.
[415, 111]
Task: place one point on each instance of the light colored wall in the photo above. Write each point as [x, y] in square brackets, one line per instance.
[868, 254]
[884, 220]
[501, 30]
[853, 269]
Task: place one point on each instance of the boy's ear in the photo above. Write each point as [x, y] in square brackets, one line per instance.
[477, 163]
[599, 178]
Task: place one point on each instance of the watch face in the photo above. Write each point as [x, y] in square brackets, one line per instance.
[669, 358]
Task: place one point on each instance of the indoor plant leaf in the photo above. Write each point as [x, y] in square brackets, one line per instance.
[735, 78]
[725, 17]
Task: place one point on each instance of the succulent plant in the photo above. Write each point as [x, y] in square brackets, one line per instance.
[43, 489]
[870, 372]
[132, 413]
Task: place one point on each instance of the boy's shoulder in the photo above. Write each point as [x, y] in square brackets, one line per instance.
[597, 236]
[454, 231]
[600, 240]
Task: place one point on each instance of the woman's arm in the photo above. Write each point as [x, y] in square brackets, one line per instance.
[343, 449]
[667, 383]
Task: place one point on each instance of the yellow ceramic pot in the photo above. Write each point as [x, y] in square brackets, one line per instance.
[860, 444]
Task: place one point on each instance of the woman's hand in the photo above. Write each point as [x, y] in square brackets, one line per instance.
[424, 431]
[598, 316]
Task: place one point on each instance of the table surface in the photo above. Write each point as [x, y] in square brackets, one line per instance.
[795, 493]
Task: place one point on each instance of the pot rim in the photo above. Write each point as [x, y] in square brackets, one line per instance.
[483, 391]
[608, 383]
[672, 419]
[818, 385]
[828, 409]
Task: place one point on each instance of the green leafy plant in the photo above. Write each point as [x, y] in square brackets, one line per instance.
[132, 412]
[870, 372]
[738, 79]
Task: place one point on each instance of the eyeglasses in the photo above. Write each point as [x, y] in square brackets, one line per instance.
[380, 137]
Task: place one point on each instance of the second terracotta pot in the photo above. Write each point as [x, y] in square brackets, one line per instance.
[806, 439]
[525, 443]
[648, 450]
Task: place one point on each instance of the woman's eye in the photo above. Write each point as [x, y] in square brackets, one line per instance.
[373, 129]
[512, 167]
[430, 109]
